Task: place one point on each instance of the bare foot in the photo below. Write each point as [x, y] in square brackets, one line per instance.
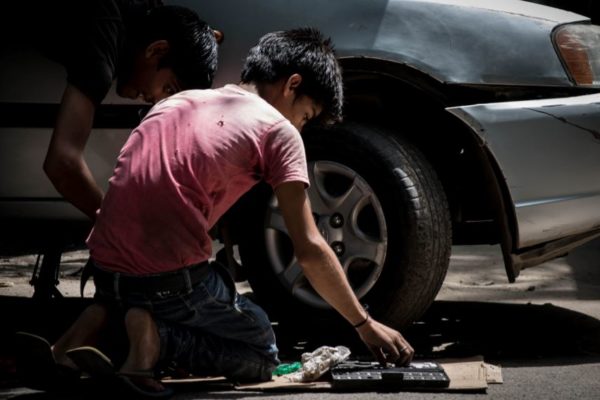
[144, 383]
[144, 342]
[144, 350]
[84, 332]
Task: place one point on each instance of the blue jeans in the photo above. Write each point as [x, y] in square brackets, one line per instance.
[208, 328]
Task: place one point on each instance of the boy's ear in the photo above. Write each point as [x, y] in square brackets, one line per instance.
[157, 49]
[292, 84]
[219, 36]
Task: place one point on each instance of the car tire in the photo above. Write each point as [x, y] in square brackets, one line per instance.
[398, 229]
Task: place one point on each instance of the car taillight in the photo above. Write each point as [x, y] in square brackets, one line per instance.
[579, 48]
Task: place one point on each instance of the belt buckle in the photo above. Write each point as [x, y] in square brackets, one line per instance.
[164, 294]
[173, 287]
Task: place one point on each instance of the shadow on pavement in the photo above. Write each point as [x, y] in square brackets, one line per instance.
[207, 393]
[524, 334]
[509, 334]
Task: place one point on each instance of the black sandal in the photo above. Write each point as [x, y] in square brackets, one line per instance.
[99, 366]
[38, 369]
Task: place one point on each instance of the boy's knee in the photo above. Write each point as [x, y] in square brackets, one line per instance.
[95, 313]
[98, 309]
[135, 316]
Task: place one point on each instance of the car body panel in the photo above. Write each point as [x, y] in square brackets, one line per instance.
[34, 196]
[29, 80]
[436, 37]
[548, 152]
[455, 42]
[441, 38]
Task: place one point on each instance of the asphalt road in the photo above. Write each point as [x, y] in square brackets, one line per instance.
[544, 330]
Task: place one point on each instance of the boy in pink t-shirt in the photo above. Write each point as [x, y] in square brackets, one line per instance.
[183, 167]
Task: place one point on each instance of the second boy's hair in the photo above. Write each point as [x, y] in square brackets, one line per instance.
[192, 45]
[304, 51]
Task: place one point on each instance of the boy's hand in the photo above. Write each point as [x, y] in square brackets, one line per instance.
[386, 344]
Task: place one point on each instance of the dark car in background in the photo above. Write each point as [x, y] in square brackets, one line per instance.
[466, 122]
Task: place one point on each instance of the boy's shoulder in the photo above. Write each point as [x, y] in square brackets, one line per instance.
[229, 95]
[232, 97]
[241, 107]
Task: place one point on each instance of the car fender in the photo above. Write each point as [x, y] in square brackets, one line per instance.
[547, 154]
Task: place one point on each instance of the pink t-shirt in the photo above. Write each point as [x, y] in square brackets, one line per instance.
[192, 157]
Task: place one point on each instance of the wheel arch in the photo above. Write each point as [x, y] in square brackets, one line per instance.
[382, 92]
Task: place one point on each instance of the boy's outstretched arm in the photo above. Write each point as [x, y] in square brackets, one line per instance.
[324, 272]
[64, 164]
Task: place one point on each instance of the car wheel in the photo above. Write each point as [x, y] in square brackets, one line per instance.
[378, 203]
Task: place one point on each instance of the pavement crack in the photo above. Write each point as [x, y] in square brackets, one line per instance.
[594, 133]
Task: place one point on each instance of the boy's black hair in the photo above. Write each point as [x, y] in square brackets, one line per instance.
[192, 45]
[304, 51]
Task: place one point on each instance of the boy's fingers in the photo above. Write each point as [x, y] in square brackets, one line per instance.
[406, 355]
[378, 354]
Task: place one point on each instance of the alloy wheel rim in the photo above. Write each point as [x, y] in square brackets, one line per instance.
[350, 218]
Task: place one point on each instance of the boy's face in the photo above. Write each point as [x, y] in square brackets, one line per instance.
[150, 86]
[302, 110]
[146, 80]
[298, 109]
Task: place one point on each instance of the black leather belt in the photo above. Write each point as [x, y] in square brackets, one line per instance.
[151, 285]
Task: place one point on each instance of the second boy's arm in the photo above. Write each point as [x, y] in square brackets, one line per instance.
[64, 164]
[324, 272]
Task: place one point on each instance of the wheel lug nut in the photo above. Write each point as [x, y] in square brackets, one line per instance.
[338, 248]
[336, 220]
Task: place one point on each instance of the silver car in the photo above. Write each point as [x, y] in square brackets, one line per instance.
[467, 122]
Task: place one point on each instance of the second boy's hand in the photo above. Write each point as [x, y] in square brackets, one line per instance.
[324, 272]
[386, 344]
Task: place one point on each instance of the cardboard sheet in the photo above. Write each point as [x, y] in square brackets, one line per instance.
[470, 374]
[465, 374]
[494, 373]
